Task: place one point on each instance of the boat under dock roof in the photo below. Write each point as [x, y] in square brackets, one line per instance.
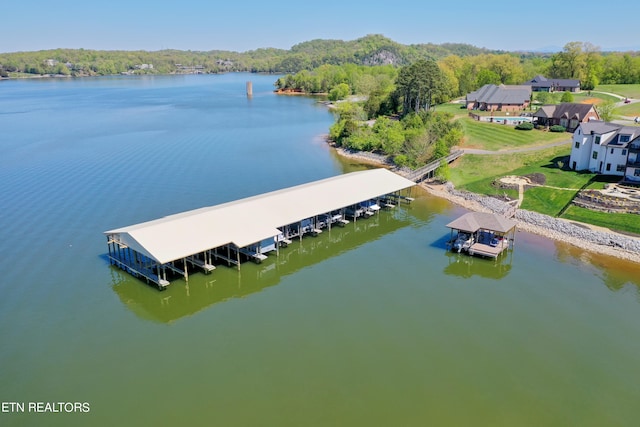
[247, 221]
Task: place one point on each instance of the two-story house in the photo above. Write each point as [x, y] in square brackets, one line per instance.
[604, 147]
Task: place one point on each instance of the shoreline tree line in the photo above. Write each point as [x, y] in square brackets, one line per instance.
[466, 66]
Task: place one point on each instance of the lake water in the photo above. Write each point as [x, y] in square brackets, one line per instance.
[374, 324]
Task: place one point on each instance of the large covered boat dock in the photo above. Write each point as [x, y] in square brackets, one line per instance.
[250, 228]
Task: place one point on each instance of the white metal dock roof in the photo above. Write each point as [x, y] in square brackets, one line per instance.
[250, 220]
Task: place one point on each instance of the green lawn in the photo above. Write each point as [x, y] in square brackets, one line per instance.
[590, 97]
[629, 91]
[495, 137]
[629, 110]
[615, 221]
[458, 110]
[477, 173]
[474, 171]
[548, 201]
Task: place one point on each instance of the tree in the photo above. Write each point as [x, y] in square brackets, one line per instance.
[605, 111]
[543, 97]
[339, 92]
[420, 85]
[486, 77]
[390, 133]
[566, 97]
[443, 173]
[569, 63]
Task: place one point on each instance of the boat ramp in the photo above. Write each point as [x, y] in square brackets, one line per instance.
[250, 228]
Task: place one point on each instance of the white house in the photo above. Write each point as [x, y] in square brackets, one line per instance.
[603, 147]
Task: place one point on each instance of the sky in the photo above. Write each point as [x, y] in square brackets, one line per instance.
[203, 25]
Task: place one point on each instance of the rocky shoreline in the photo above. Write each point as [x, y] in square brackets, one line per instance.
[585, 236]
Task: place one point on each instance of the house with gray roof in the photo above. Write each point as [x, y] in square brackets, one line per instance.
[607, 148]
[542, 84]
[499, 98]
[567, 114]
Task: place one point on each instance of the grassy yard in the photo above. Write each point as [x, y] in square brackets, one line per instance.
[477, 173]
[458, 110]
[629, 91]
[615, 221]
[629, 110]
[495, 137]
[548, 201]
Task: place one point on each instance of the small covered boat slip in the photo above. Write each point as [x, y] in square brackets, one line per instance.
[252, 226]
[480, 233]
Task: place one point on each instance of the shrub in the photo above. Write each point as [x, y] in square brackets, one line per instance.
[401, 160]
[557, 128]
[566, 97]
[524, 126]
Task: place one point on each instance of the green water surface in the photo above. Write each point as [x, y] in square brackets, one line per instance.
[373, 324]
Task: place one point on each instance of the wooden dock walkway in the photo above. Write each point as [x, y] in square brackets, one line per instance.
[427, 170]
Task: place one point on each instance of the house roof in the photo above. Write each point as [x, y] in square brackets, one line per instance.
[253, 219]
[632, 132]
[568, 110]
[598, 127]
[611, 132]
[543, 82]
[503, 94]
[474, 221]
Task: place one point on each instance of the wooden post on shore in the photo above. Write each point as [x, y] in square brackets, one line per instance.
[249, 89]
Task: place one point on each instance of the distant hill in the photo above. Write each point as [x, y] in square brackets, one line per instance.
[369, 50]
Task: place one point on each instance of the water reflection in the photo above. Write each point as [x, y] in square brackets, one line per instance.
[465, 266]
[183, 299]
[615, 273]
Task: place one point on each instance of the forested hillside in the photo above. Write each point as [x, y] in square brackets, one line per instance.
[369, 50]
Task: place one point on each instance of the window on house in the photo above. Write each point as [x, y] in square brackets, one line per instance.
[577, 144]
[636, 172]
[594, 155]
[624, 152]
[620, 168]
[608, 167]
[597, 139]
[612, 151]
[625, 138]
